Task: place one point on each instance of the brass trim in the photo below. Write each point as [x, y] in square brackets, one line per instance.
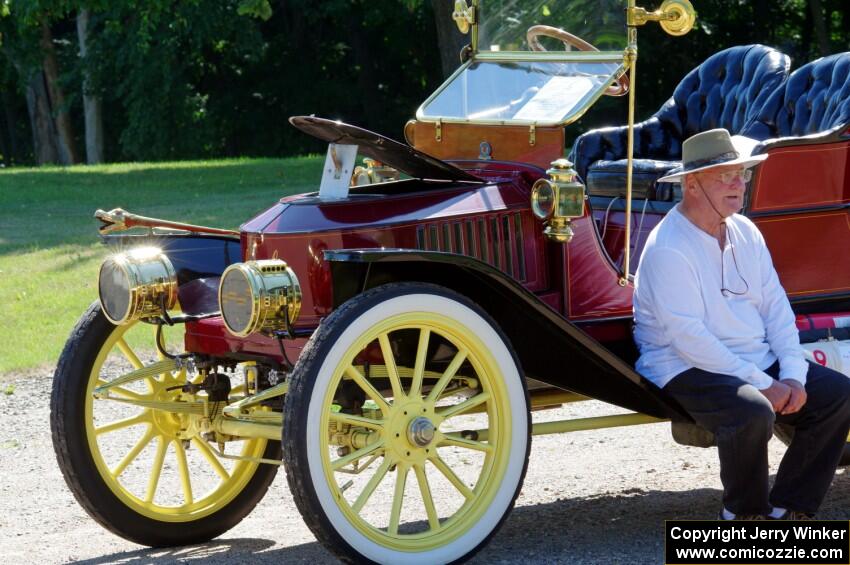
[474, 36]
[577, 113]
[550, 56]
[631, 60]
[410, 132]
[532, 135]
[151, 283]
[567, 195]
[120, 220]
[438, 130]
[275, 296]
[464, 16]
[676, 17]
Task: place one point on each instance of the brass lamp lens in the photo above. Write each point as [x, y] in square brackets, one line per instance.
[114, 287]
[259, 297]
[237, 302]
[543, 199]
[139, 283]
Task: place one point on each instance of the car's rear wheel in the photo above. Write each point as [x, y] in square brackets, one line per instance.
[407, 427]
[140, 470]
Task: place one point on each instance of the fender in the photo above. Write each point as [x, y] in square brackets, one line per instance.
[552, 348]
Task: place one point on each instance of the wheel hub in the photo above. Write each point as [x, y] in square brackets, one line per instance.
[420, 431]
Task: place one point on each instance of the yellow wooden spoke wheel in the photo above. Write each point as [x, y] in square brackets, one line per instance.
[145, 472]
[406, 427]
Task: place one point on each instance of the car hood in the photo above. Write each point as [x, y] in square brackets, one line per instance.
[397, 155]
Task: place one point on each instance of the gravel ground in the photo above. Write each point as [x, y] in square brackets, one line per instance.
[589, 497]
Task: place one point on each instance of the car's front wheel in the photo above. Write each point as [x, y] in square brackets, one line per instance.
[135, 460]
[406, 427]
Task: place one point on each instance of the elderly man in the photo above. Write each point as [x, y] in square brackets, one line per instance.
[716, 331]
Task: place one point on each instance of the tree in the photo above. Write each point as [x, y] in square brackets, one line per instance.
[28, 43]
[449, 38]
[92, 107]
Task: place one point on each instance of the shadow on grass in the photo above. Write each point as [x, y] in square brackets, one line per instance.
[625, 527]
[42, 208]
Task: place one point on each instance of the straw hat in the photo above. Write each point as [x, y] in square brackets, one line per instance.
[715, 148]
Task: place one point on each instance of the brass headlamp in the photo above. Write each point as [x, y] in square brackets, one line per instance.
[136, 284]
[558, 200]
[259, 296]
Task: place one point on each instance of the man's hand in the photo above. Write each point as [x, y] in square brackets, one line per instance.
[798, 396]
[778, 394]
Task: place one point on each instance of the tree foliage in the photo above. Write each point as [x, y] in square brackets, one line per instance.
[204, 78]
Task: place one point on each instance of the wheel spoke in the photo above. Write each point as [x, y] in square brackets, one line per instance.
[141, 418]
[156, 468]
[355, 455]
[398, 498]
[425, 491]
[392, 370]
[183, 467]
[458, 441]
[131, 456]
[121, 391]
[367, 387]
[371, 485]
[467, 404]
[205, 450]
[444, 380]
[419, 366]
[129, 353]
[357, 421]
[452, 477]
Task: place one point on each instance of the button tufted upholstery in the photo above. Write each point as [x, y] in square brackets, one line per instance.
[726, 90]
[814, 99]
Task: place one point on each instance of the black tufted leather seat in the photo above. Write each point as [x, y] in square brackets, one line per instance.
[727, 90]
[814, 100]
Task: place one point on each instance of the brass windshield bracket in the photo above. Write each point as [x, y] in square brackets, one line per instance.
[438, 130]
[532, 135]
[676, 17]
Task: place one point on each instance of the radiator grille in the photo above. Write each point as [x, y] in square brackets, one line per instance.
[495, 239]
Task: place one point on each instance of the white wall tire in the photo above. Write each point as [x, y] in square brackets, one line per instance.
[351, 532]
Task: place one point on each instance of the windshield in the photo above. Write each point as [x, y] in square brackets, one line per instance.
[503, 23]
[521, 92]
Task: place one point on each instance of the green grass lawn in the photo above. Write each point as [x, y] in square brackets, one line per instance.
[50, 250]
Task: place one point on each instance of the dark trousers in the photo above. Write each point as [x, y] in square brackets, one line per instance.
[742, 419]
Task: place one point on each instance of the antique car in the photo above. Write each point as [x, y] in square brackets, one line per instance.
[386, 337]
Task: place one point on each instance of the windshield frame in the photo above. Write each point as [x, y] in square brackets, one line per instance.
[617, 57]
[611, 57]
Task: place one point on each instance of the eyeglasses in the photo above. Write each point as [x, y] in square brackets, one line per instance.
[729, 176]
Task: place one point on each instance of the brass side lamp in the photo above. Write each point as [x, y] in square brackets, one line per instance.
[558, 200]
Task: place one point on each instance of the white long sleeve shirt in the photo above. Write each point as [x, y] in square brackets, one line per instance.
[683, 320]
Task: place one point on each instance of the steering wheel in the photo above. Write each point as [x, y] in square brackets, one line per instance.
[620, 86]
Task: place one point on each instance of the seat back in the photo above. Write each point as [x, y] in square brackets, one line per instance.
[725, 91]
[815, 98]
